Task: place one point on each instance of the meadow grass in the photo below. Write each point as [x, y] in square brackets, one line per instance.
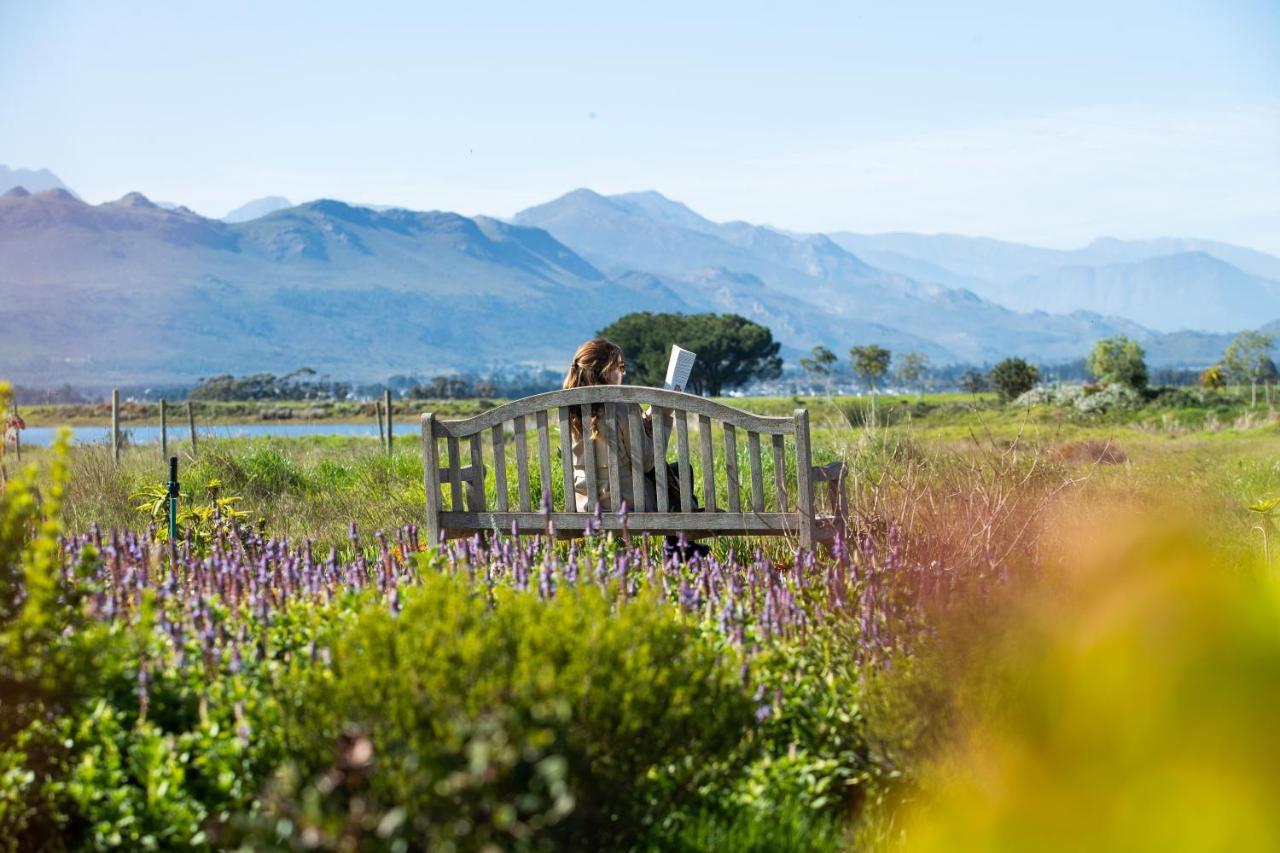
[961, 479]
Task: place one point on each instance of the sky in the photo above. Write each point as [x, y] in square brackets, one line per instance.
[1044, 123]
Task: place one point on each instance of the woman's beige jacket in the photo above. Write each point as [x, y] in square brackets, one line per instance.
[602, 463]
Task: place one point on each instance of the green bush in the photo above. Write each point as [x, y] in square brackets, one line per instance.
[469, 720]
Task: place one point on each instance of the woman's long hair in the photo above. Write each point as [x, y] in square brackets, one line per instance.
[591, 365]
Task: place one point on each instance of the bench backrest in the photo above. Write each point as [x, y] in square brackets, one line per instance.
[744, 508]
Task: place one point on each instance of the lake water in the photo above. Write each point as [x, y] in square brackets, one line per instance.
[43, 436]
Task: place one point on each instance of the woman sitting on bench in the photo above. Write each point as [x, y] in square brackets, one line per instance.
[601, 362]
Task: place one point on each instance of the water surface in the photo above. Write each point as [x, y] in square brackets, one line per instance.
[43, 436]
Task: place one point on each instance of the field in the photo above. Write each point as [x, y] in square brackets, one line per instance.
[1037, 611]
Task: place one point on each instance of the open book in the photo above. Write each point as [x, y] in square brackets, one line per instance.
[679, 368]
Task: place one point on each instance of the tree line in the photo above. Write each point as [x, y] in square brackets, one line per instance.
[1117, 360]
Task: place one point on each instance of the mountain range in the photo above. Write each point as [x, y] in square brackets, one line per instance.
[1166, 285]
[130, 291]
[32, 180]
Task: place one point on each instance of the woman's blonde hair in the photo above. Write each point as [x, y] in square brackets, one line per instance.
[592, 364]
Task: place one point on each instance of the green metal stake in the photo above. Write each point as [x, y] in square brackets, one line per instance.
[173, 499]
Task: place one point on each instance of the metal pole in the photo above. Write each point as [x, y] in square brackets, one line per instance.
[173, 499]
[191, 424]
[115, 425]
[386, 401]
[164, 428]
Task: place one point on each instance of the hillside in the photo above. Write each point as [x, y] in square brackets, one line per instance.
[1168, 284]
[834, 296]
[128, 290]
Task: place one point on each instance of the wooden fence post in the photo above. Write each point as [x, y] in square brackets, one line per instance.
[191, 424]
[17, 433]
[386, 400]
[382, 432]
[164, 429]
[115, 425]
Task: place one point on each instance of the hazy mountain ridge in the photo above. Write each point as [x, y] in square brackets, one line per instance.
[1167, 284]
[31, 180]
[128, 290]
[833, 296]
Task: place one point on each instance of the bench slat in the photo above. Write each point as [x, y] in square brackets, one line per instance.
[780, 472]
[731, 467]
[804, 486]
[682, 461]
[455, 472]
[475, 490]
[544, 459]
[660, 456]
[721, 523]
[566, 461]
[635, 428]
[499, 443]
[708, 463]
[613, 452]
[522, 462]
[757, 478]
[431, 477]
[589, 457]
[464, 427]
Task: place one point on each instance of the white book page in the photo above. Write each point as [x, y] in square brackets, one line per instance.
[679, 368]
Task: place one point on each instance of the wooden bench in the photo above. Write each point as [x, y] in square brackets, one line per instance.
[455, 492]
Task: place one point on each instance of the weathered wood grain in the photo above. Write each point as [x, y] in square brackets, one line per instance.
[522, 462]
[708, 463]
[757, 476]
[431, 477]
[544, 459]
[616, 394]
[499, 443]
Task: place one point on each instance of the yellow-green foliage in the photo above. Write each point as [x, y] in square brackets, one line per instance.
[40, 650]
[1132, 708]
[491, 721]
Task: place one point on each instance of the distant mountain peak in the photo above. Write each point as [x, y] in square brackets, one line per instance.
[16, 192]
[581, 193]
[136, 201]
[258, 208]
[655, 205]
[32, 180]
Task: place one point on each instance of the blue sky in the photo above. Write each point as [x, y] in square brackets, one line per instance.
[1043, 123]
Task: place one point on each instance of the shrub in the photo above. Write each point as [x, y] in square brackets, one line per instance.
[1013, 377]
[472, 719]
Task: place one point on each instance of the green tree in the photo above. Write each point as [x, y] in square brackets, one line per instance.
[732, 351]
[1013, 377]
[820, 366]
[1246, 360]
[870, 363]
[1120, 361]
[911, 370]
